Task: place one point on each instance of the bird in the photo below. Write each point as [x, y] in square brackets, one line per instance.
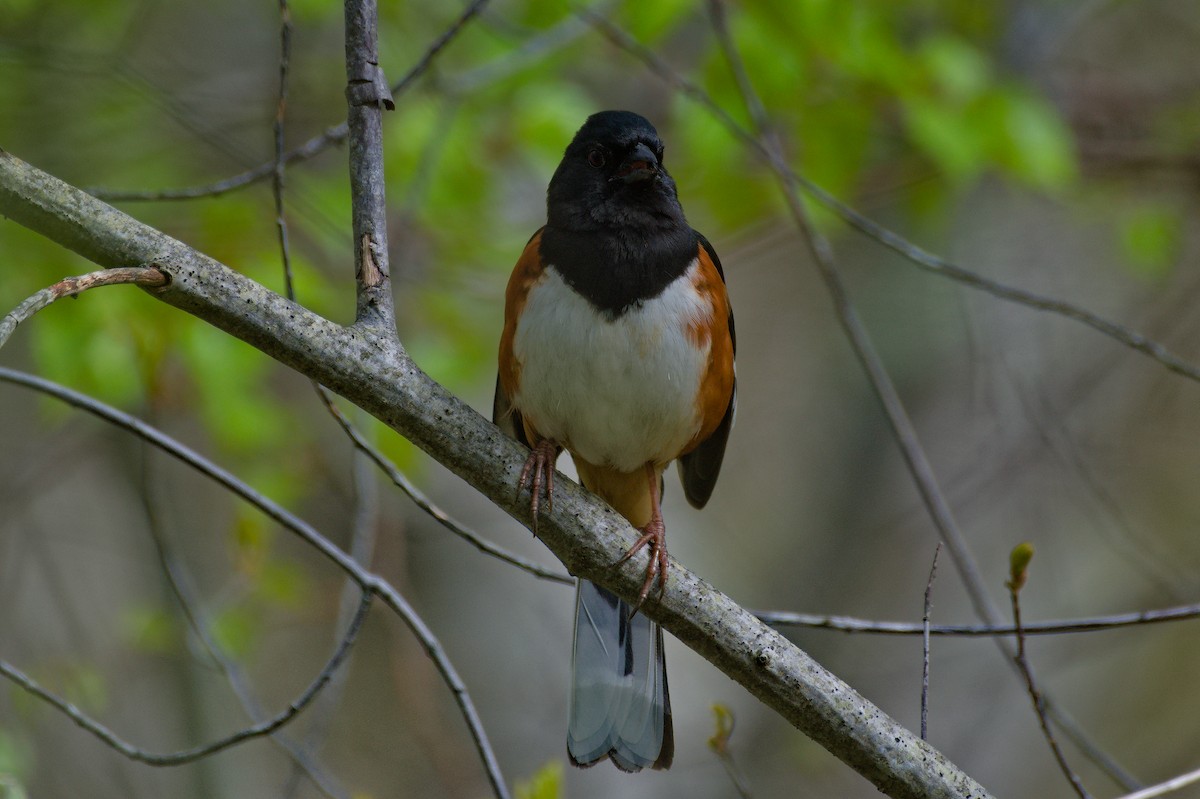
[618, 347]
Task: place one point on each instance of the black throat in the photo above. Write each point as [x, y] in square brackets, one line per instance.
[619, 270]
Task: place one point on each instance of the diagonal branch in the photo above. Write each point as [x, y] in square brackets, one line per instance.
[584, 533]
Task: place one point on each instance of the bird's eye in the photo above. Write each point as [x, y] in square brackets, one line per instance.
[596, 158]
[659, 153]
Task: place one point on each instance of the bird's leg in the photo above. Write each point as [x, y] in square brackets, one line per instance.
[539, 471]
[654, 535]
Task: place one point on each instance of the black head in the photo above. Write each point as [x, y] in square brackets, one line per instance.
[612, 178]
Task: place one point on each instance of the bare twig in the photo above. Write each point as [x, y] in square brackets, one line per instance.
[362, 549]
[1020, 558]
[185, 595]
[1164, 788]
[848, 624]
[424, 503]
[529, 53]
[316, 145]
[277, 174]
[925, 645]
[190, 755]
[888, 238]
[367, 95]
[72, 286]
[362, 541]
[366, 580]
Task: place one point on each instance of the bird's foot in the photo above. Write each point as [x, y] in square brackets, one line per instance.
[654, 535]
[538, 472]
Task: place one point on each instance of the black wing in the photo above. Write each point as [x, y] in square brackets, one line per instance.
[699, 469]
[506, 417]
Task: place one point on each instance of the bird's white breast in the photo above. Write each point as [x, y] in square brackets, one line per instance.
[616, 392]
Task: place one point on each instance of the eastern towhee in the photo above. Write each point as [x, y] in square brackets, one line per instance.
[618, 347]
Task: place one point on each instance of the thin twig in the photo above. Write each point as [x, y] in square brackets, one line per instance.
[533, 50]
[424, 503]
[925, 644]
[888, 238]
[1163, 788]
[335, 134]
[181, 587]
[277, 174]
[191, 755]
[362, 549]
[1014, 589]
[72, 286]
[362, 531]
[366, 580]
[849, 624]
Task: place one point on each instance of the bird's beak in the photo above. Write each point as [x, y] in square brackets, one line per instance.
[641, 164]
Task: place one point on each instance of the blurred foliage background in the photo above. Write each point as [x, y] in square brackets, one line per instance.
[1051, 145]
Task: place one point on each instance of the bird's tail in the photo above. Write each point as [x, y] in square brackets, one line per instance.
[620, 707]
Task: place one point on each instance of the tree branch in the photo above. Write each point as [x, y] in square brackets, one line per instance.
[367, 95]
[1020, 563]
[1164, 788]
[334, 134]
[189, 604]
[191, 755]
[74, 286]
[849, 624]
[586, 535]
[366, 580]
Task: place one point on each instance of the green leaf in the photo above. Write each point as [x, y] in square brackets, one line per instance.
[546, 117]
[546, 783]
[1151, 239]
[227, 376]
[723, 716]
[1018, 565]
[959, 70]
[16, 759]
[235, 629]
[650, 21]
[1039, 147]
[946, 137]
[150, 629]
[283, 583]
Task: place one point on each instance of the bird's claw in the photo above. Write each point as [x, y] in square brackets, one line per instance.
[654, 535]
[538, 472]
